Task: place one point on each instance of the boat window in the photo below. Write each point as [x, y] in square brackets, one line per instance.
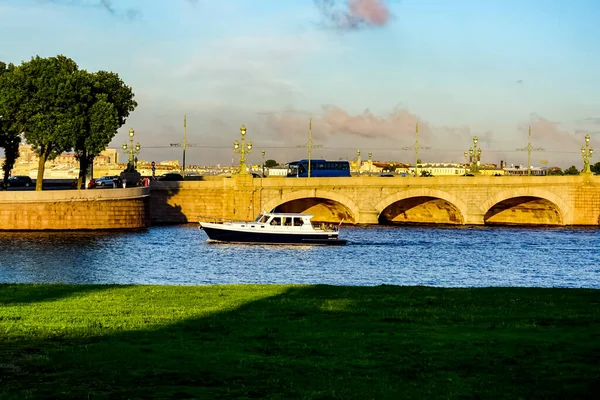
[287, 221]
[263, 219]
[298, 222]
[276, 221]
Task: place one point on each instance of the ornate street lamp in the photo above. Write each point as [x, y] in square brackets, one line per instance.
[131, 150]
[586, 153]
[466, 153]
[416, 148]
[242, 151]
[370, 162]
[475, 154]
[262, 153]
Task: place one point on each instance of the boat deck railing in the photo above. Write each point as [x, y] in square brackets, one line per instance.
[216, 220]
[325, 227]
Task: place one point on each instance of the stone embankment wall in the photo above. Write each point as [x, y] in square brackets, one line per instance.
[558, 200]
[75, 209]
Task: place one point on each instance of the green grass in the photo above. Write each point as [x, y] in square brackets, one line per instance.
[297, 342]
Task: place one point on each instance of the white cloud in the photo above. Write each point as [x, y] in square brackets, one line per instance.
[262, 65]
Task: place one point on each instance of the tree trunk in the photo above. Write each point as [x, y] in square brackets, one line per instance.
[44, 152]
[4, 180]
[83, 166]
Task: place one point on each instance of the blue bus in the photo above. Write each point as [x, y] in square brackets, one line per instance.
[318, 168]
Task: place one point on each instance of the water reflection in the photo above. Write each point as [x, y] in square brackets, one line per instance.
[433, 256]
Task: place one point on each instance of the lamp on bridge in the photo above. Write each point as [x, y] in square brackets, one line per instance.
[466, 153]
[586, 153]
[263, 162]
[131, 150]
[370, 162]
[242, 150]
[475, 154]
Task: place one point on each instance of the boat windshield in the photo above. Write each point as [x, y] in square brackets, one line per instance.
[262, 218]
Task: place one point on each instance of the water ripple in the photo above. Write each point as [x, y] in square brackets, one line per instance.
[431, 256]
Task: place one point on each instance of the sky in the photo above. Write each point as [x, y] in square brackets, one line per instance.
[365, 71]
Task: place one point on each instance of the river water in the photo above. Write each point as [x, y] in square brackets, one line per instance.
[430, 256]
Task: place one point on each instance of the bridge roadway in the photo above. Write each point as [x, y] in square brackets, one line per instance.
[460, 200]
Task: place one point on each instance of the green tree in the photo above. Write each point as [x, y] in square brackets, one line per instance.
[595, 168]
[107, 102]
[45, 96]
[555, 171]
[572, 170]
[9, 130]
[270, 163]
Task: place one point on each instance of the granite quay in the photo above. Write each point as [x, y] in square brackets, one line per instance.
[75, 209]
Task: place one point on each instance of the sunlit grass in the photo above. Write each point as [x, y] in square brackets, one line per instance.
[290, 341]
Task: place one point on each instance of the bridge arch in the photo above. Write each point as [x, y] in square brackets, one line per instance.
[543, 207]
[456, 209]
[351, 209]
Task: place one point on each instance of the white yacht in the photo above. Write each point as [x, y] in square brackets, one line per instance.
[273, 228]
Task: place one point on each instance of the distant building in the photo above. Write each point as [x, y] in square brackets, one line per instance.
[436, 169]
[520, 170]
[65, 166]
[277, 172]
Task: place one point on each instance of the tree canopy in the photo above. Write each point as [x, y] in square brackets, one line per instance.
[59, 108]
[555, 171]
[572, 170]
[45, 92]
[9, 129]
[271, 163]
[106, 104]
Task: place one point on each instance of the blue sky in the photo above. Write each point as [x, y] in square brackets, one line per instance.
[461, 68]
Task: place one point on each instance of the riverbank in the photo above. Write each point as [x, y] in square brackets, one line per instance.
[291, 341]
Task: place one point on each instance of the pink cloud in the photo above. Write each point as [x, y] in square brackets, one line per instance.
[355, 14]
[549, 135]
[372, 12]
[336, 121]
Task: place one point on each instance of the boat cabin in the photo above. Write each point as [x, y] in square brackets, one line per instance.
[290, 219]
[295, 220]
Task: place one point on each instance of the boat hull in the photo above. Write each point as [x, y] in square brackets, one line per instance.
[238, 236]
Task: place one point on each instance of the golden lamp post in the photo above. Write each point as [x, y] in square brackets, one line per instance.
[130, 149]
[475, 154]
[586, 153]
[242, 150]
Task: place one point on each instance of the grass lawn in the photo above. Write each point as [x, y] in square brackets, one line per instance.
[297, 342]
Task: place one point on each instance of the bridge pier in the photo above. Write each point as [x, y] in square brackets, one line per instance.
[368, 217]
[474, 219]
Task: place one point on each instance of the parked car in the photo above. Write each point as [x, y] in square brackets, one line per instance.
[106, 181]
[171, 176]
[19, 181]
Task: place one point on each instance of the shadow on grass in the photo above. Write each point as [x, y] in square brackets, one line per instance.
[317, 342]
[25, 294]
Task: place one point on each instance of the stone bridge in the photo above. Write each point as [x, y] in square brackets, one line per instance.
[460, 200]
